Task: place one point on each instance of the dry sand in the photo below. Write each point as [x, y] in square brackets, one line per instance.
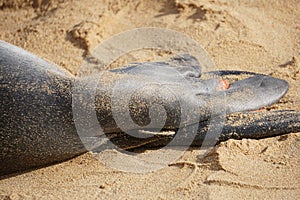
[259, 36]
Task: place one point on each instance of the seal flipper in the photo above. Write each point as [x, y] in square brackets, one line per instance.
[258, 125]
[254, 125]
[251, 125]
[253, 93]
[187, 65]
[184, 65]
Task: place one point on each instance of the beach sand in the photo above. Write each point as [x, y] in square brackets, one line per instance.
[258, 36]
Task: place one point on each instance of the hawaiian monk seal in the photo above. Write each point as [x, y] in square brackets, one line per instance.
[37, 125]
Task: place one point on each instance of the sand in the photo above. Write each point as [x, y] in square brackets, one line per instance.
[258, 36]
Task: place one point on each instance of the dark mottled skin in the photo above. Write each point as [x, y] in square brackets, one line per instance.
[37, 126]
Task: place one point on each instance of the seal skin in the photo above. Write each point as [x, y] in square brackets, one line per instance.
[37, 125]
[36, 112]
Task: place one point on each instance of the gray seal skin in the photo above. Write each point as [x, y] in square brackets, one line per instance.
[36, 116]
[37, 125]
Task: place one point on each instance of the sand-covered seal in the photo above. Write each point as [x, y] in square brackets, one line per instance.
[37, 126]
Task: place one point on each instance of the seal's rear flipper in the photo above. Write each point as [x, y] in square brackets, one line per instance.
[254, 125]
[187, 65]
[251, 125]
[183, 66]
[258, 125]
[253, 93]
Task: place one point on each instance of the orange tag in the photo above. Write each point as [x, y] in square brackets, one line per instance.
[223, 85]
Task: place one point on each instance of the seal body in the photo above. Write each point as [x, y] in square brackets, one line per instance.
[38, 125]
